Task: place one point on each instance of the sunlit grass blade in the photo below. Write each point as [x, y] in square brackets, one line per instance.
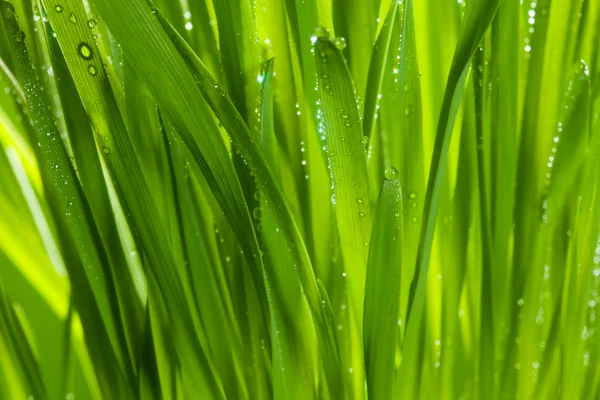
[382, 293]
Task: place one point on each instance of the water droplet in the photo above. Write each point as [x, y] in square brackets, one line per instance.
[256, 213]
[92, 70]
[105, 150]
[413, 195]
[413, 204]
[407, 110]
[189, 26]
[85, 51]
[92, 23]
[414, 219]
[322, 32]
[325, 76]
[73, 18]
[58, 8]
[360, 201]
[391, 173]
[361, 214]
[340, 43]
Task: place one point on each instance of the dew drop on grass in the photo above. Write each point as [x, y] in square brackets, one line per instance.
[105, 150]
[58, 8]
[92, 23]
[391, 173]
[413, 195]
[92, 70]
[340, 43]
[361, 214]
[85, 51]
[73, 18]
[322, 31]
[360, 201]
[414, 219]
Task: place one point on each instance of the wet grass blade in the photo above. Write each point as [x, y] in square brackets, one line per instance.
[341, 123]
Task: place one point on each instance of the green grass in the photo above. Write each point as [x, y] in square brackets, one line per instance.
[298, 199]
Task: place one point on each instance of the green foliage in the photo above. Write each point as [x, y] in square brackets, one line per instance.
[299, 199]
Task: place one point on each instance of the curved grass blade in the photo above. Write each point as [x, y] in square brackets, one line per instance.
[477, 19]
[351, 189]
[382, 294]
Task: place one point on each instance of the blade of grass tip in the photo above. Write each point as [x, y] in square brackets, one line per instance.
[294, 341]
[231, 120]
[382, 294]
[351, 196]
[478, 17]
[18, 344]
[379, 64]
[68, 205]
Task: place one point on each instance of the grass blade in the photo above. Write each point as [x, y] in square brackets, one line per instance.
[382, 295]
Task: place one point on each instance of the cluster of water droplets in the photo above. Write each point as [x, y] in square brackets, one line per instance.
[531, 14]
